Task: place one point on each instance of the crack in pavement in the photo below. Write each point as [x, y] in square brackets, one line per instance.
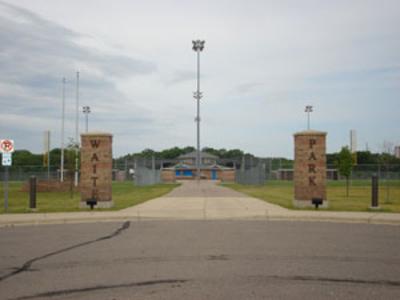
[67, 292]
[100, 287]
[333, 280]
[27, 265]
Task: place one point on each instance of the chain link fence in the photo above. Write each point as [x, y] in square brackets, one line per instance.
[23, 173]
[248, 170]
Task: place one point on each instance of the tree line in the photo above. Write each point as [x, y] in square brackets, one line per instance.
[26, 158]
[175, 152]
[365, 158]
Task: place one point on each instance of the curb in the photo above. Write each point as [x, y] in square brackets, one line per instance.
[51, 219]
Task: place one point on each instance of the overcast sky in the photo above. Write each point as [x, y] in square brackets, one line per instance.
[263, 62]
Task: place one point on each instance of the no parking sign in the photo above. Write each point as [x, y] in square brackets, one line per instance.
[6, 146]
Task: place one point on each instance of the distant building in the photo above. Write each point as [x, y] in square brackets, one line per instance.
[190, 158]
[397, 151]
[209, 169]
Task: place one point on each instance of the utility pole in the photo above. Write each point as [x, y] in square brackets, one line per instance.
[62, 131]
[198, 46]
[76, 129]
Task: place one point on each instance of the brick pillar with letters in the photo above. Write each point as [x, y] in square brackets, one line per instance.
[96, 169]
[309, 168]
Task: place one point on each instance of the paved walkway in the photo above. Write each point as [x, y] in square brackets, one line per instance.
[202, 200]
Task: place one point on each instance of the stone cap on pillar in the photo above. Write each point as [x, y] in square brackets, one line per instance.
[96, 133]
[310, 132]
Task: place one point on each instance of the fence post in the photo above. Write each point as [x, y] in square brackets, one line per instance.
[32, 192]
[374, 192]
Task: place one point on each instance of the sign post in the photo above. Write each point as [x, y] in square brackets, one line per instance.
[6, 148]
[6, 189]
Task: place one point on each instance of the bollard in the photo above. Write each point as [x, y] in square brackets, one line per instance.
[317, 202]
[374, 192]
[32, 192]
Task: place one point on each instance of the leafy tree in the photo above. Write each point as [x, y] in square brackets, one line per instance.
[332, 158]
[233, 153]
[55, 157]
[69, 162]
[171, 153]
[26, 158]
[366, 157]
[188, 149]
[212, 151]
[345, 165]
[148, 153]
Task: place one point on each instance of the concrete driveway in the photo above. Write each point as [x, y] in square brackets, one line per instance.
[204, 200]
[201, 201]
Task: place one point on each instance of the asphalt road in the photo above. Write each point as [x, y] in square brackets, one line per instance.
[200, 260]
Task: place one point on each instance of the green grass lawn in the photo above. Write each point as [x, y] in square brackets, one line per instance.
[282, 193]
[125, 194]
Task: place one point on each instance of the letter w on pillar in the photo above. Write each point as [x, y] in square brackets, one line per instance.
[95, 143]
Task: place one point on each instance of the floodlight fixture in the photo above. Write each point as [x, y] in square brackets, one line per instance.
[308, 110]
[86, 111]
[198, 45]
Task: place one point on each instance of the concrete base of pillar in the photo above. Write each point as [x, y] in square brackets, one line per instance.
[375, 208]
[100, 204]
[308, 203]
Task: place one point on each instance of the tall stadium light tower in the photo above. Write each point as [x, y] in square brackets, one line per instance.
[86, 111]
[198, 46]
[308, 110]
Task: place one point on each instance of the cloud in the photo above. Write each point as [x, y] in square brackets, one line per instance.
[34, 56]
[180, 76]
[247, 87]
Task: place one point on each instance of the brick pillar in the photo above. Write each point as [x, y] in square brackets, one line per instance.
[309, 168]
[96, 169]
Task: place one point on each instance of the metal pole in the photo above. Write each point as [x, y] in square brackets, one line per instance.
[198, 46]
[198, 114]
[87, 122]
[374, 192]
[77, 109]
[77, 129]
[62, 132]
[308, 110]
[32, 192]
[48, 156]
[5, 189]
[86, 111]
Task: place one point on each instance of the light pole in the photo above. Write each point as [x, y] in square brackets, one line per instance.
[86, 111]
[198, 46]
[76, 129]
[308, 110]
[62, 131]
